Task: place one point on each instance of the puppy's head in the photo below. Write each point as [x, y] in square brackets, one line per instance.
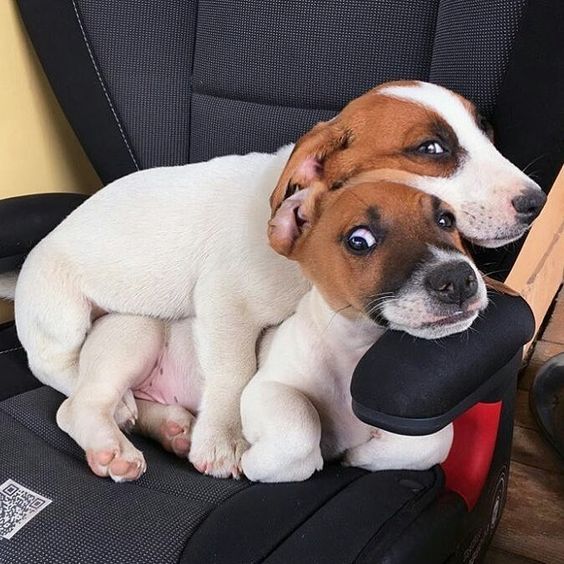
[383, 250]
[426, 136]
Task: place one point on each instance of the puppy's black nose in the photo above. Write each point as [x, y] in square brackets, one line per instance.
[452, 283]
[529, 204]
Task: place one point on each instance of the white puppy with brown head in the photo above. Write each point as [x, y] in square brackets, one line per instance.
[378, 255]
[188, 241]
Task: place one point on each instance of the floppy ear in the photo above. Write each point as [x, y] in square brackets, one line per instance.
[499, 286]
[305, 165]
[291, 219]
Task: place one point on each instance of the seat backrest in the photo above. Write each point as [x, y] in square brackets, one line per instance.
[168, 82]
[185, 81]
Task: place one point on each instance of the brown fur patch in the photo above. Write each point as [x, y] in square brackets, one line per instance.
[407, 218]
[372, 132]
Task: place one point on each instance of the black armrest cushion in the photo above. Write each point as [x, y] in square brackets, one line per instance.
[414, 386]
[25, 220]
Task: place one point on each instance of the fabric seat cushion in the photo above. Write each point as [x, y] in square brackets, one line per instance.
[174, 513]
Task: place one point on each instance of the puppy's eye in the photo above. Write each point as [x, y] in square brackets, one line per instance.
[446, 221]
[431, 148]
[360, 240]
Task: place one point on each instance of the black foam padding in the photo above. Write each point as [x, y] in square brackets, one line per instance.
[416, 387]
[15, 377]
[330, 518]
[25, 220]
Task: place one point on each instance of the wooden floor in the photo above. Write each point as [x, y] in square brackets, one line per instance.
[532, 527]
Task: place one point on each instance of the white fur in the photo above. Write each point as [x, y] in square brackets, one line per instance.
[188, 241]
[170, 243]
[414, 311]
[296, 412]
[486, 182]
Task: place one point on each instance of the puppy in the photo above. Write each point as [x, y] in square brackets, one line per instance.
[378, 255]
[188, 242]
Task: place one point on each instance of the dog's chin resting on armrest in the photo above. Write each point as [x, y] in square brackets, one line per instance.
[377, 256]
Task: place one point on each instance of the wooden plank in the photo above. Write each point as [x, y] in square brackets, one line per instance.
[538, 271]
[543, 351]
[497, 556]
[532, 523]
[554, 331]
[530, 448]
[523, 415]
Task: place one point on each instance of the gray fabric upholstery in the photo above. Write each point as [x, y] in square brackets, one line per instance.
[262, 72]
[144, 522]
[143, 51]
[473, 44]
[238, 127]
[174, 514]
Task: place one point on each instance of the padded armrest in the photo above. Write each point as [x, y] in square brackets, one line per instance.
[414, 386]
[25, 220]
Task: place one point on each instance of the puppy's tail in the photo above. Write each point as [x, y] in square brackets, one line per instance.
[8, 282]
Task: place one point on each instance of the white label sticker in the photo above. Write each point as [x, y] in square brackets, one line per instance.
[18, 505]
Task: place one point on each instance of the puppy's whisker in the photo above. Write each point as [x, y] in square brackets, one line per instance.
[335, 313]
[535, 160]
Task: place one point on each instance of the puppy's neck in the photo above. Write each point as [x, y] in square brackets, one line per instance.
[339, 331]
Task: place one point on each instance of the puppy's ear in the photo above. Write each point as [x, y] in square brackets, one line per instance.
[305, 165]
[499, 286]
[292, 218]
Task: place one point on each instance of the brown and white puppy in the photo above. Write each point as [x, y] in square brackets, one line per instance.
[427, 137]
[377, 255]
[371, 253]
[189, 242]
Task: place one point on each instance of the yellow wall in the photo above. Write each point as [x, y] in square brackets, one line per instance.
[38, 149]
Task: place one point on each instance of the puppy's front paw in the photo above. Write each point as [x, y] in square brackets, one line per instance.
[121, 461]
[265, 462]
[217, 450]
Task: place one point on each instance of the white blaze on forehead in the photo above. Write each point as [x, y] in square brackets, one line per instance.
[484, 184]
[447, 105]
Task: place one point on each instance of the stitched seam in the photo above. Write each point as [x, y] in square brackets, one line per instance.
[214, 507]
[361, 556]
[259, 103]
[309, 516]
[101, 81]
[191, 101]
[11, 350]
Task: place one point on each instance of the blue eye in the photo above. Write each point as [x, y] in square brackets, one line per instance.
[360, 240]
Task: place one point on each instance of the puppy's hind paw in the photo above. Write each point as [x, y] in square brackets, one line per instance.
[126, 412]
[175, 431]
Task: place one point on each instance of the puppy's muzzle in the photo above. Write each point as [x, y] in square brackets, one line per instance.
[529, 204]
[452, 282]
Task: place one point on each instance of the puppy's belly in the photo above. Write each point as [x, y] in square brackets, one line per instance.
[175, 377]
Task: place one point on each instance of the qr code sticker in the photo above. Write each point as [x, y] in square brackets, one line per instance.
[18, 505]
